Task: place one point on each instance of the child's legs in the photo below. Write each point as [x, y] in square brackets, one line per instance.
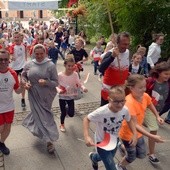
[96, 64]
[62, 104]
[168, 116]
[165, 109]
[71, 109]
[151, 122]
[107, 158]
[134, 152]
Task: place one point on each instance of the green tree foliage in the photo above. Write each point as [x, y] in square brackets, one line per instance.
[141, 18]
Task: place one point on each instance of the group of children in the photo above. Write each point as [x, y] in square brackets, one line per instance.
[147, 99]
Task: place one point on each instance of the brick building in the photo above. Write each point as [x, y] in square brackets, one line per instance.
[22, 15]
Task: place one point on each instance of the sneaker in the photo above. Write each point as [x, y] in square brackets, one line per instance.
[153, 159]
[62, 128]
[167, 121]
[94, 164]
[23, 103]
[119, 167]
[4, 149]
[121, 149]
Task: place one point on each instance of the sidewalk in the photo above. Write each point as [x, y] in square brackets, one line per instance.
[29, 153]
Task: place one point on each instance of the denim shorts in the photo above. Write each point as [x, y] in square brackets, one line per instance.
[139, 151]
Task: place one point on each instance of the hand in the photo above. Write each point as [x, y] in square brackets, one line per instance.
[42, 82]
[22, 83]
[133, 141]
[89, 141]
[115, 52]
[160, 120]
[60, 90]
[158, 139]
[13, 58]
[85, 90]
[27, 86]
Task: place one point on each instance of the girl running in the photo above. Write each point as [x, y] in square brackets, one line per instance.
[69, 83]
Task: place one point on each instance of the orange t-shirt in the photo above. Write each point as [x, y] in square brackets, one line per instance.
[135, 109]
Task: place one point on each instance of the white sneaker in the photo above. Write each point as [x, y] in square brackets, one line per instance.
[119, 167]
[62, 128]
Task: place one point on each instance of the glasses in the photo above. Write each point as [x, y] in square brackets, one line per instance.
[4, 59]
[118, 101]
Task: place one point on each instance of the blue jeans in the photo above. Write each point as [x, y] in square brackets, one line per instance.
[96, 65]
[106, 157]
[135, 152]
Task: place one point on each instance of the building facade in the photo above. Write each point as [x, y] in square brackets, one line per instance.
[22, 15]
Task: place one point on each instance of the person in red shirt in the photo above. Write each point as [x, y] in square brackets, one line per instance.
[8, 83]
[114, 66]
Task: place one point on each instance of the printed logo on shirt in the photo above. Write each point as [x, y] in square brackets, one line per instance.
[3, 85]
[112, 124]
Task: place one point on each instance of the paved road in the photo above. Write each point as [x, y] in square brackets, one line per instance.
[29, 153]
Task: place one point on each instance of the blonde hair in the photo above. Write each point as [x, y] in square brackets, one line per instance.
[141, 49]
[117, 89]
[39, 46]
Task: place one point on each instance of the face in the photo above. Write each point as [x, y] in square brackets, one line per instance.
[69, 67]
[116, 101]
[78, 44]
[138, 59]
[4, 61]
[160, 40]
[39, 54]
[17, 38]
[164, 76]
[139, 89]
[123, 44]
[141, 52]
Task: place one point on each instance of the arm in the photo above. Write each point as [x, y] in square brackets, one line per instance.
[107, 60]
[145, 133]
[88, 139]
[53, 80]
[61, 54]
[131, 125]
[154, 111]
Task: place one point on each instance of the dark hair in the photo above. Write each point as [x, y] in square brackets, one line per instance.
[160, 67]
[121, 35]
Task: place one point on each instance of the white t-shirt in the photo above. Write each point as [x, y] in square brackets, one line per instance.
[8, 82]
[108, 121]
[134, 69]
[154, 53]
[19, 52]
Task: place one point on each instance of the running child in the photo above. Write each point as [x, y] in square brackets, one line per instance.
[69, 83]
[137, 102]
[158, 88]
[108, 119]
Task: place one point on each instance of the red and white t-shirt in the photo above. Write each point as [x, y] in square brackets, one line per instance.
[8, 83]
[19, 53]
[115, 75]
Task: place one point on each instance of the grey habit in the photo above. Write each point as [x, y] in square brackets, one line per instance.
[40, 121]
